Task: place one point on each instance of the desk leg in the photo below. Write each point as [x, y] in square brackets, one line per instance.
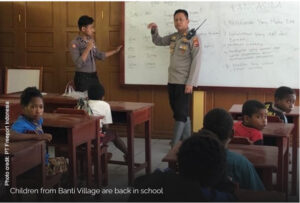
[130, 145]
[98, 172]
[295, 177]
[280, 164]
[286, 169]
[266, 175]
[43, 167]
[148, 145]
[13, 174]
[89, 163]
[72, 154]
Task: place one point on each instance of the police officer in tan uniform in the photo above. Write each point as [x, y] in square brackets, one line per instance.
[84, 53]
[183, 71]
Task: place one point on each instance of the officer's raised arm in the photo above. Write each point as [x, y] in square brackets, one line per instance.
[156, 39]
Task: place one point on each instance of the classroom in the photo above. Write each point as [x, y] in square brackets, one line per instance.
[242, 51]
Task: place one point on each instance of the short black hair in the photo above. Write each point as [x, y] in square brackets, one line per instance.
[28, 94]
[84, 21]
[202, 157]
[220, 122]
[282, 92]
[251, 107]
[96, 92]
[181, 11]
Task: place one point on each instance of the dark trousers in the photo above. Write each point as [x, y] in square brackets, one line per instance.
[83, 80]
[179, 101]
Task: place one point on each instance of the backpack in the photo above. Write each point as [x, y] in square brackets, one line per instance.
[84, 105]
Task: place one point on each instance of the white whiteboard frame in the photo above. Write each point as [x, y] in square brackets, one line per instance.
[17, 79]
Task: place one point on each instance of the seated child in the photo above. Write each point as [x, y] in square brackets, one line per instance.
[285, 98]
[101, 108]
[239, 168]
[28, 126]
[254, 120]
[202, 174]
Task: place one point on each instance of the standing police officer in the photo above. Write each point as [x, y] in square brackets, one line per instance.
[183, 71]
[84, 52]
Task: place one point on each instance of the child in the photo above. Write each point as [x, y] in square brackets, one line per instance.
[102, 108]
[254, 120]
[28, 126]
[201, 163]
[84, 54]
[238, 167]
[285, 98]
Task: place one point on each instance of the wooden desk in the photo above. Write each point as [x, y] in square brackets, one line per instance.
[52, 101]
[259, 196]
[131, 114]
[79, 129]
[23, 156]
[14, 108]
[236, 110]
[262, 157]
[281, 132]
[134, 113]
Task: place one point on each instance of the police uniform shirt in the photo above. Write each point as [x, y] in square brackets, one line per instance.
[77, 47]
[184, 60]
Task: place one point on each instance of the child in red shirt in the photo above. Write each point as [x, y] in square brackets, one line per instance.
[254, 120]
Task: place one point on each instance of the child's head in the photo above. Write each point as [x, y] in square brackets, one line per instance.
[181, 20]
[201, 157]
[285, 98]
[96, 92]
[32, 103]
[86, 26]
[219, 122]
[254, 114]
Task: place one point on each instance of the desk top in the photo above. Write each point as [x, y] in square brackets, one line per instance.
[278, 129]
[122, 106]
[16, 147]
[63, 120]
[237, 109]
[259, 155]
[10, 100]
[49, 97]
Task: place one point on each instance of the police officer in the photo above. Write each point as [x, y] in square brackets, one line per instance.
[84, 52]
[183, 71]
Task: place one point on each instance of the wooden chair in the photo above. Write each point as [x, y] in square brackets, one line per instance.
[71, 111]
[99, 150]
[274, 119]
[241, 140]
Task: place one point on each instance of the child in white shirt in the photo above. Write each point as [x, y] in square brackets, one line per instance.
[102, 108]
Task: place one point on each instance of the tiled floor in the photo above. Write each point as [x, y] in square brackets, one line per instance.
[118, 174]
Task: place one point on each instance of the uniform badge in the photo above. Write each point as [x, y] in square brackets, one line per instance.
[183, 48]
[73, 46]
[173, 38]
[185, 40]
[195, 42]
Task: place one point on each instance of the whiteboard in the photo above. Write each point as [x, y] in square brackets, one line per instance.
[19, 79]
[243, 44]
